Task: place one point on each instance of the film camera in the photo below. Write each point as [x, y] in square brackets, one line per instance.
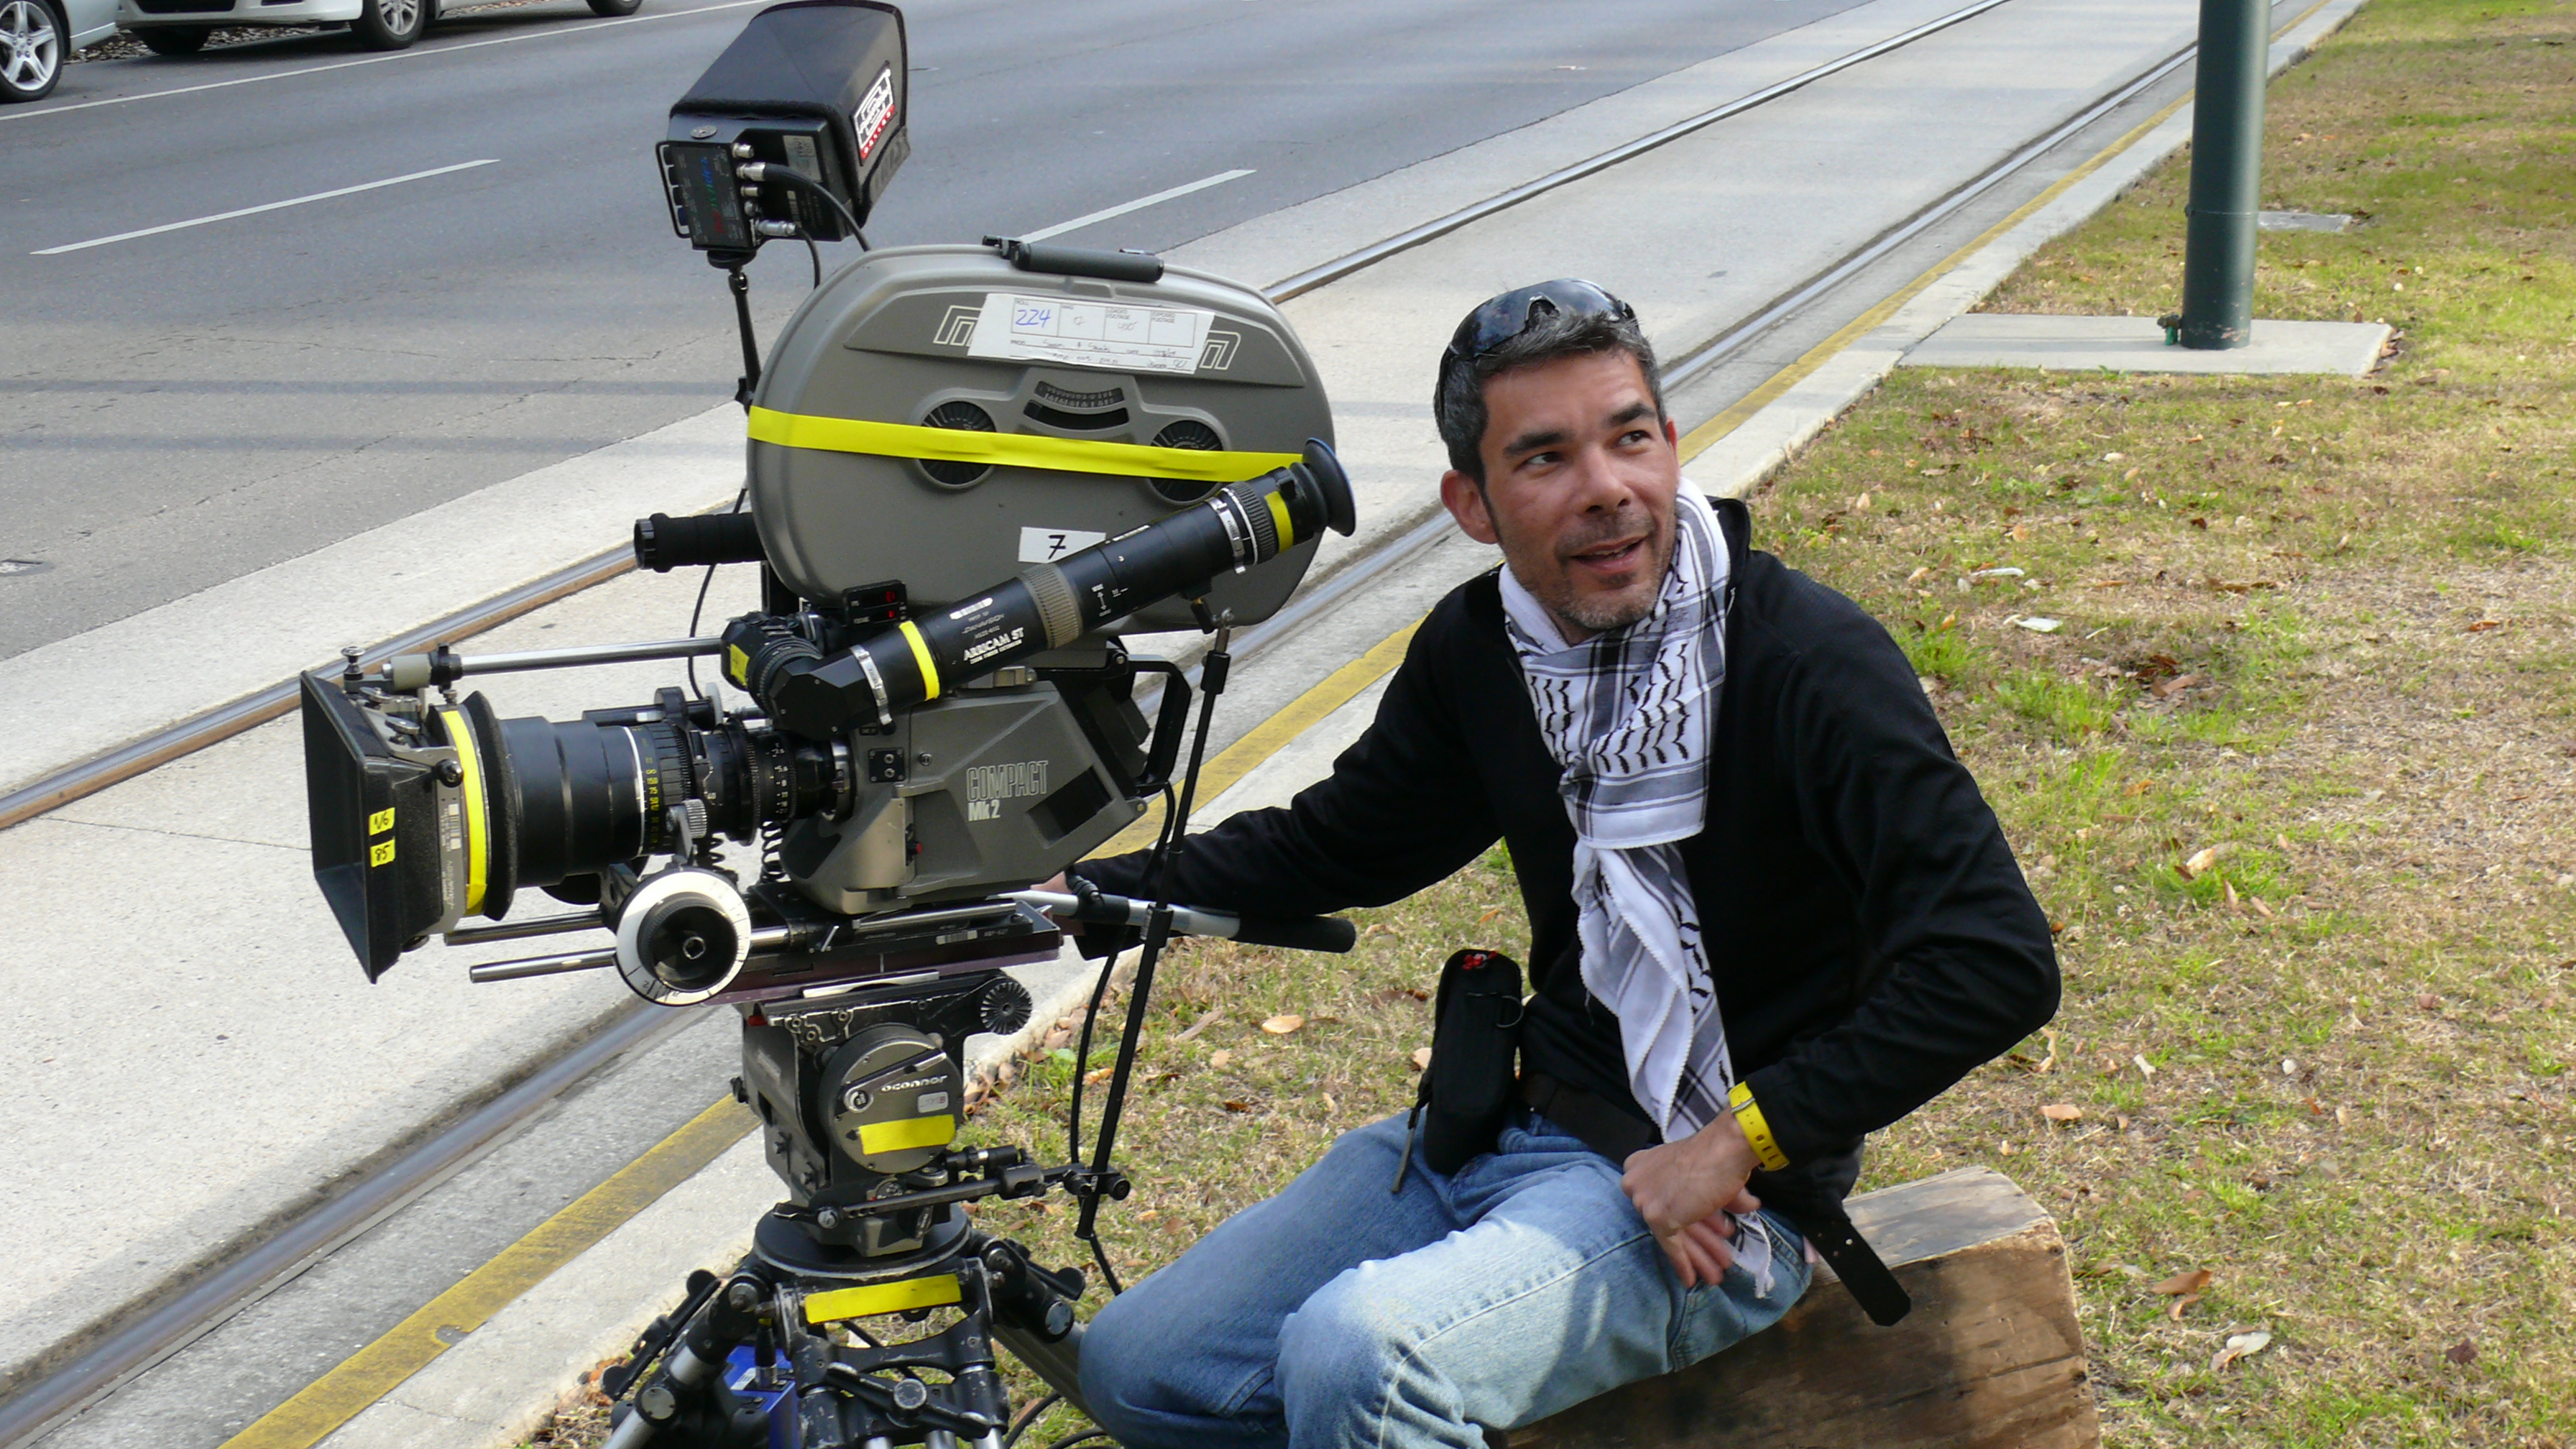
[972, 470]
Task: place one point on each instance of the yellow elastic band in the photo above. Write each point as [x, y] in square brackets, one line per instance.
[869, 1300]
[461, 735]
[1766, 1148]
[1008, 450]
[1279, 520]
[921, 656]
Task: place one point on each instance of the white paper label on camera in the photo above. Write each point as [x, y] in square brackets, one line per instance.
[1046, 545]
[1120, 335]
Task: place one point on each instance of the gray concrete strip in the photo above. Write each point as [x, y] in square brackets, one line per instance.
[2137, 344]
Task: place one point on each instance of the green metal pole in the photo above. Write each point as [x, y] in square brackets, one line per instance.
[2226, 175]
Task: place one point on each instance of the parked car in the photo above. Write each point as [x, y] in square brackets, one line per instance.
[180, 27]
[38, 36]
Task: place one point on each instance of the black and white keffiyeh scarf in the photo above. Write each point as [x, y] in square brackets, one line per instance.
[1629, 715]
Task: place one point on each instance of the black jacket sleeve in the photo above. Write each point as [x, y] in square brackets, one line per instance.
[1402, 810]
[1957, 961]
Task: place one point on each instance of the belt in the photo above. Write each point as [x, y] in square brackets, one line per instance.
[1615, 1133]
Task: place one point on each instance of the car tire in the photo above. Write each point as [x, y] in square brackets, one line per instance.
[32, 41]
[615, 7]
[390, 24]
[175, 39]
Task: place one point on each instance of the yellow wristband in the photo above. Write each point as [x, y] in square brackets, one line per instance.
[1748, 1115]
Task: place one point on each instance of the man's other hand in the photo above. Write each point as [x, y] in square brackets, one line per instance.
[1685, 1189]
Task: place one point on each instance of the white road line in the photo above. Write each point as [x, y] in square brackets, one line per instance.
[1139, 204]
[420, 54]
[256, 210]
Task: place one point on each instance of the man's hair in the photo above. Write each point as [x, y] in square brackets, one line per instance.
[1459, 404]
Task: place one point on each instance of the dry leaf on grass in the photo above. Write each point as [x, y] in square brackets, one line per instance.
[2484, 625]
[1099, 1075]
[1422, 1059]
[2240, 1345]
[2186, 1283]
[1283, 1024]
[2463, 1353]
[1233, 1106]
[2429, 1002]
[2201, 860]
[1206, 1019]
[2062, 1112]
[1221, 1059]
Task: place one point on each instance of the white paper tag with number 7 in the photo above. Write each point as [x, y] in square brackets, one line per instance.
[1046, 545]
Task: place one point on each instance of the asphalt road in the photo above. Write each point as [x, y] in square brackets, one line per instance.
[185, 407]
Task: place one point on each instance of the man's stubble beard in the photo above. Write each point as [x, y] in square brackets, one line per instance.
[1599, 613]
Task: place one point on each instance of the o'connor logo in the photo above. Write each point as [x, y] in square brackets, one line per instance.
[987, 786]
[875, 112]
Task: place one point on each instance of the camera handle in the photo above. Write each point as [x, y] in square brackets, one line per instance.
[1102, 1178]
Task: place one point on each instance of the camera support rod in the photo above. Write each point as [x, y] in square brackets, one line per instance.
[408, 672]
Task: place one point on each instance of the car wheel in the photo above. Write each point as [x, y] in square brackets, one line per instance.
[615, 7]
[390, 24]
[31, 50]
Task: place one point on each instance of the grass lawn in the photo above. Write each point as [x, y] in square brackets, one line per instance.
[2294, 773]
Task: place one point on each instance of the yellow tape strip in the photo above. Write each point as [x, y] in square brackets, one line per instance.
[934, 1291]
[1237, 760]
[1279, 521]
[1008, 450]
[373, 1371]
[478, 837]
[937, 1130]
[921, 656]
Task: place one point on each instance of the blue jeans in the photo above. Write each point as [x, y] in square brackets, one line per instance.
[1341, 1314]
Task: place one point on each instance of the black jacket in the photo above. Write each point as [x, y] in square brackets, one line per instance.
[1871, 937]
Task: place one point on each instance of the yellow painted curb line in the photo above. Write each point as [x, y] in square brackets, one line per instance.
[1699, 439]
[374, 1371]
[1238, 759]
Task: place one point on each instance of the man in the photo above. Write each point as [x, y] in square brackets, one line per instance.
[1769, 913]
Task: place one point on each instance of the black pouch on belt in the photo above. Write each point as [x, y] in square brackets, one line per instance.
[1468, 1090]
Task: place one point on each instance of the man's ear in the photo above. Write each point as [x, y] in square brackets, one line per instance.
[1673, 434]
[1464, 497]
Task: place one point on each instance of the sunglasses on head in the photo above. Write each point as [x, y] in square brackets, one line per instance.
[1500, 319]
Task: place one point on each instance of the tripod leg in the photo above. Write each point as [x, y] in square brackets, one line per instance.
[1058, 1363]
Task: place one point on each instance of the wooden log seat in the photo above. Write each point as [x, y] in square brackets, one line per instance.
[1990, 1358]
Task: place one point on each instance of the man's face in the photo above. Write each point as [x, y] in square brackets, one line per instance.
[1579, 481]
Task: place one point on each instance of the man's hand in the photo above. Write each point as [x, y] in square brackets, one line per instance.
[1684, 1189]
[1055, 884]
